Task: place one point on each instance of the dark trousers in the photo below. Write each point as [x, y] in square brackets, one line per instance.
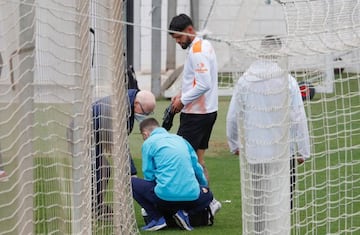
[143, 193]
[103, 172]
[101, 168]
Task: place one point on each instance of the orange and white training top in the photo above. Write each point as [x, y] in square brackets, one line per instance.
[199, 93]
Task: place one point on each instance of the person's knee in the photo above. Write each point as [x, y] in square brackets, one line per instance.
[135, 183]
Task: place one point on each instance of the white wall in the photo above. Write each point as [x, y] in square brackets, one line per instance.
[9, 41]
[142, 35]
[222, 23]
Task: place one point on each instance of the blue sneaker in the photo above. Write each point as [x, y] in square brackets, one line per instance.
[155, 225]
[182, 219]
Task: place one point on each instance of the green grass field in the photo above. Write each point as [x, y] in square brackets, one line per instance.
[328, 196]
[223, 170]
[328, 184]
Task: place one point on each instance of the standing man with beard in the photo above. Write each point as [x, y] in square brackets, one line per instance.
[198, 98]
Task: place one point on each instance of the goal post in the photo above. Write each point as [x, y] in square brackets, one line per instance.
[79, 150]
[48, 84]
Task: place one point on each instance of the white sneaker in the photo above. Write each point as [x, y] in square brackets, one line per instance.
[143, 212]
[145, 215]
[215, 206]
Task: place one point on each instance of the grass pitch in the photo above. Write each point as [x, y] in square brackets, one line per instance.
[223, 169]
[328, 185]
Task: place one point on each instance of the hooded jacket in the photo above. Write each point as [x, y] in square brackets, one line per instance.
[266, 119]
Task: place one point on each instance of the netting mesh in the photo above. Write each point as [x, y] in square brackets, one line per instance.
[52, 70]
[263, 102]
[320, 48]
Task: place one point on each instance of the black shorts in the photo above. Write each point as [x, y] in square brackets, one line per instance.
[196, 128]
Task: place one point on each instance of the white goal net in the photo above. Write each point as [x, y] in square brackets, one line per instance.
[53, 67]
[321, 50]
[59, 56]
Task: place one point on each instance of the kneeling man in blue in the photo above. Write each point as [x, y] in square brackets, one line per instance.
[174, 181]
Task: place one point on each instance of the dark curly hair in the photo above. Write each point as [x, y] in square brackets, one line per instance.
[179, 23]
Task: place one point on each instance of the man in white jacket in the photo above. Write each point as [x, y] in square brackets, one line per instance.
[266, 125]
[197, 100]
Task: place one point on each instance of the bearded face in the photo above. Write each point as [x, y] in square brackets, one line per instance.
[186, 43]
[184, 40]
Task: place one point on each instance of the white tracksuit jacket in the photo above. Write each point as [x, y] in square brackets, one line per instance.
[263, 115]
[199, 92]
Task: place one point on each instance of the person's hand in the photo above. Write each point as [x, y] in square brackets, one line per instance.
[300, 160]
[176, 104]
[178, 96]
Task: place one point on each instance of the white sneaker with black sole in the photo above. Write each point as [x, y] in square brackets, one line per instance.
[215, 206]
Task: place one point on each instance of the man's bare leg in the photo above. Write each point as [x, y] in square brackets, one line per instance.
[200, 153]
[215, 205]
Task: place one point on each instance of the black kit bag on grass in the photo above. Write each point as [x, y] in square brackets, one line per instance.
[203, 218]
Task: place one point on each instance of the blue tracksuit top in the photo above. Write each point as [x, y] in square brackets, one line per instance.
[171, 162]
[101, 112]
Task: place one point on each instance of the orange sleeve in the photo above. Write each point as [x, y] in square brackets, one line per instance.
[197, 47]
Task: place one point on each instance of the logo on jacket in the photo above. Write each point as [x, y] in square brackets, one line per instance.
[201, 68]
